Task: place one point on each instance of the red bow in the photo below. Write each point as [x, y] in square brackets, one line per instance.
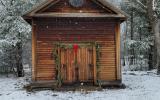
[75, 48]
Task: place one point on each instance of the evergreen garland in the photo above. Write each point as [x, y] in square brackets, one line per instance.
[57, 59]
[57, 64]
[98, 63]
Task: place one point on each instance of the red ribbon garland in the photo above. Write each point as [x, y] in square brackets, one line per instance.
[75, 48]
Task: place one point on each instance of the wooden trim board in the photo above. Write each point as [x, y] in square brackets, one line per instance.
[118, 64]
[33, 51]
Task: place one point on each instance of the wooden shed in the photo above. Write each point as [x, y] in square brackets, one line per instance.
[76, 41]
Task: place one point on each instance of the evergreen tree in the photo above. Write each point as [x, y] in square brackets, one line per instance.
[14, 31]
[139, 39]
[148, 12]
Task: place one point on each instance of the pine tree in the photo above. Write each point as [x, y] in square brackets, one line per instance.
[14, 31]
[149, 11]
[139, 38]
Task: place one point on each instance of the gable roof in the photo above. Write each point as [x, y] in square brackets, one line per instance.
[48, 3]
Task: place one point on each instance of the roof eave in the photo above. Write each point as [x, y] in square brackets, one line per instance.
[32, 13]
[111, 6]
[77, 15]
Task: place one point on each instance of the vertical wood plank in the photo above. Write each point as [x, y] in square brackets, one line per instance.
[67, 59]
[82, 67]
[34, 51]
[95, 67]
[88, 70]
[66, 65]
[59, 54]
[80, 64]
[85, 67]
[72, 65]
[63, 68]
[68, 56]
[118, 63]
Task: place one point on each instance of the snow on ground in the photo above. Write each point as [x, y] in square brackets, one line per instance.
[140, 86]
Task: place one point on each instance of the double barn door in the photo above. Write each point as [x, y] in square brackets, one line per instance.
[77, 65]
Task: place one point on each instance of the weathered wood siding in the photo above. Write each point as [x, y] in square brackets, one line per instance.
[68, 30]
[63, 6]
[83, 69]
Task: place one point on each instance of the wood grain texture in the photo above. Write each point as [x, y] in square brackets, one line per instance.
[80, 70]
[88, 6]
[34, 51]
[76, 30]
[118, 62]
[95, 65]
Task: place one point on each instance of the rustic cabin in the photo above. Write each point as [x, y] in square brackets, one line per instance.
[76, 41]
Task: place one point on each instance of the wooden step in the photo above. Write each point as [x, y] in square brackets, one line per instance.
[41, 85]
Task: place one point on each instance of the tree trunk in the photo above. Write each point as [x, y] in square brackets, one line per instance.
[157, 43]
[155, 29]
[132, 32]
[124, 41]
[20, 71]
[151, 58]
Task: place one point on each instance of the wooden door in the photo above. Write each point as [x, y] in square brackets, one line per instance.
[77, 66]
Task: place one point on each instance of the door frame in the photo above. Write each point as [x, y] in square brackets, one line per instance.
[93, 44]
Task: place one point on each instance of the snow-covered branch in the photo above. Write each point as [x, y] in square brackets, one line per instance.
[140, 3]
[2, 3]
[153, 4]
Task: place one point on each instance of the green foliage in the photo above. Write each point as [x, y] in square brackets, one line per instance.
[139, 36]
[57, 64]
[13, 29]
[141, 45]
[56, 51]
[98, 63]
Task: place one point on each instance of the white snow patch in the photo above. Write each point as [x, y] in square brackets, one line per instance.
[140, 86]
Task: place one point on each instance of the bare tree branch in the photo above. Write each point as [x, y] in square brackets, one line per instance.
[2, 3]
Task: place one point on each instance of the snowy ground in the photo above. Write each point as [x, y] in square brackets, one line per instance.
[140, 86]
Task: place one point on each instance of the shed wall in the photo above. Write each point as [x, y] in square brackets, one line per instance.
[49, 31]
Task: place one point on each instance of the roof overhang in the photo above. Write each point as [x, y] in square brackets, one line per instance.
[122, 16]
